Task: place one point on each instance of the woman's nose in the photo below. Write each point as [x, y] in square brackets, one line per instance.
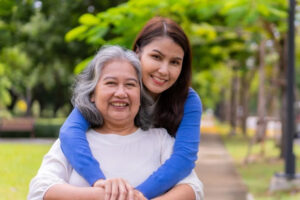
[163, 69]
[120, 92]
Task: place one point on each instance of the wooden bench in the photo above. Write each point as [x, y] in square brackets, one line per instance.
[17, 125]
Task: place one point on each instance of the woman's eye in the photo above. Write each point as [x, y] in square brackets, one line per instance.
[175, 62]
[110, 83]
[131, 84]
[157, 57]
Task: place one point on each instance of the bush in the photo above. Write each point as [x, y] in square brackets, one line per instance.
[48, 127]
[43, 127]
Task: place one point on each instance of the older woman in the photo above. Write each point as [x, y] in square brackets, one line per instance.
[109, 94]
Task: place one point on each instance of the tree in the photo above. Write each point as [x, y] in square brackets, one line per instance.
[40, 63]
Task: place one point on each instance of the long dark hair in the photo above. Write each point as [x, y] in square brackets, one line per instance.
[170, 106]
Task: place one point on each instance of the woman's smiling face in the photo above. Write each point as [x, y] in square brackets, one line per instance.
[161, 62]
[117, 93]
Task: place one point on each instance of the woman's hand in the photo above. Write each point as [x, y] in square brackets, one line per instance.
[118, 189]
[138, 195]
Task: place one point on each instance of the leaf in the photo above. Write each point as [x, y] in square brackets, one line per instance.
[2, 24]
[263, 10]
[236, 15]
[75, 33]
[5, 97]
[89, 19]
[82, 65]
[279, 13]
[2, 69]
[96, 34]
[251, 17]
[204, 30]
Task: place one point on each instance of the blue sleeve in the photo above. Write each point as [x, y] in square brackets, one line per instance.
[184, 155]
[76, 148]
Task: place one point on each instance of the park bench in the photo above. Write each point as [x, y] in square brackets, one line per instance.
[17, 125]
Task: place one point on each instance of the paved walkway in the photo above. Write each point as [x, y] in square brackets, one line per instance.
[217, 172]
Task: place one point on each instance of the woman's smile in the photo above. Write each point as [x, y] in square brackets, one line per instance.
[119, 104]
[158, 81]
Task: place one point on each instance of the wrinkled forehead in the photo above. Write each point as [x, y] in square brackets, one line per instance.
[120, 68]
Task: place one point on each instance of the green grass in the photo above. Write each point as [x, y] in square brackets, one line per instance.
[258, 173]
[19, 164]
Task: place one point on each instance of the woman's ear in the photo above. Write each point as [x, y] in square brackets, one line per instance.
[138, 52]
[92, 98]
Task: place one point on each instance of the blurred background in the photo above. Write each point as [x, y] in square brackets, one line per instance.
[239, 71]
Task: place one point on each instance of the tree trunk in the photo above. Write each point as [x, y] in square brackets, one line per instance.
[261, 108]
[233, 102]
[246, 79]
[243, 108]
[14, 98]
[281, 48]
[28, 101]
[282, 77]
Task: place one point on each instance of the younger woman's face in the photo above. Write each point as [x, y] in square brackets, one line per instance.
[161, 62]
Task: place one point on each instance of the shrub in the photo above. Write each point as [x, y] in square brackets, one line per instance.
[43, 127]
[48, 127]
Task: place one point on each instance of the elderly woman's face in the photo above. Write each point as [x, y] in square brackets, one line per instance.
[117, 94]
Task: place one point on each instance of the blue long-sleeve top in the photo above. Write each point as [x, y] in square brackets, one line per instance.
[76, 148]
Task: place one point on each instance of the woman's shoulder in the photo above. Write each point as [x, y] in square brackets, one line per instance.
[193, 99]
[192, 94]
[158, 132]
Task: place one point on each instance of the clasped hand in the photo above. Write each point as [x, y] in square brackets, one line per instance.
[119, 189]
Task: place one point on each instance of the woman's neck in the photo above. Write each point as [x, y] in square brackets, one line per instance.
[153, 96]
[116, 129]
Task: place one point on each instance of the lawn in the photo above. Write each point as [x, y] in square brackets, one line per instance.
[19, 163]
[258, 173]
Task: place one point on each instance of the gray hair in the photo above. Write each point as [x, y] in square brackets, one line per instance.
[87, 80]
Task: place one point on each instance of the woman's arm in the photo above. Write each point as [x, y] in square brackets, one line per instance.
[53, 170]
[179, 192]
[72, 134]
[51, 180]
[184, 155]
[189, 188]
[69, 192]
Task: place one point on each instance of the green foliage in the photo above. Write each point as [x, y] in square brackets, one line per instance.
[220, 32]
[4, 85]
[59, 38]
[75, 33]
[34, 54]
[207, 83]
[48, 127]
[249, 12]
[82, 65]
[18, 68]
[88, 19]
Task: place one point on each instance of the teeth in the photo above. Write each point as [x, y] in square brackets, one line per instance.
[119, 104]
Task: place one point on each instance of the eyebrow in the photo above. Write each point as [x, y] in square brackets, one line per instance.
[177, 58]
[128, 79]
